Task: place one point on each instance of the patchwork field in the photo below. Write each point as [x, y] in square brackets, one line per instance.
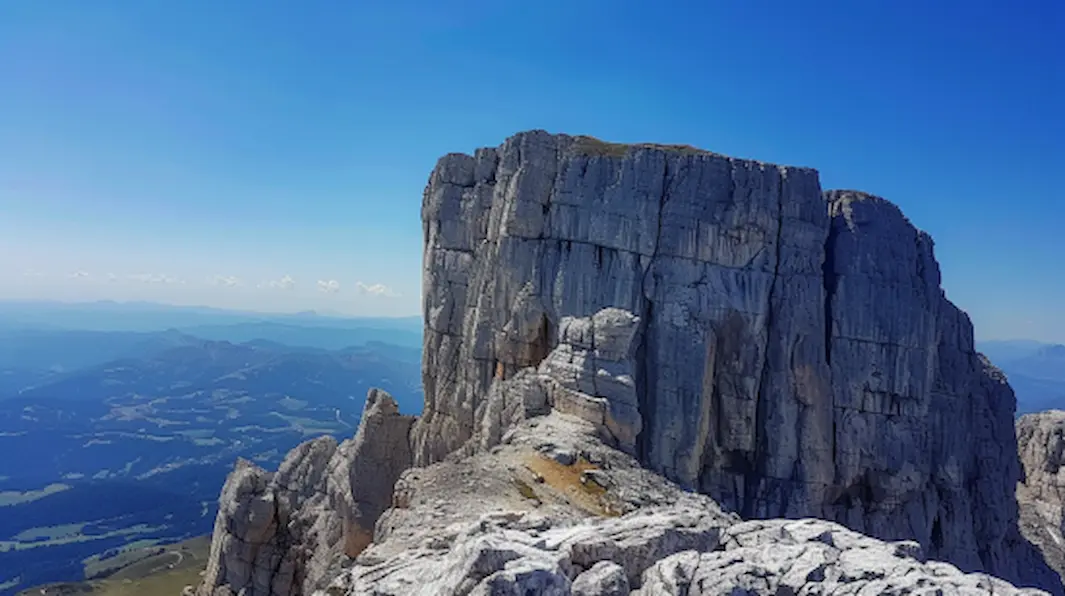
[133, 452]
[145, 571]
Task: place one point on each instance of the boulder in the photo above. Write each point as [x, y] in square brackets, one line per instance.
[811, 557]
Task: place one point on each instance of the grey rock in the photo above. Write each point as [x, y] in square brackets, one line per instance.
[1041, 495]
[685, 547]
[597, 478]
[590, 373]
[462, 526]
[811, 557]
[786, 351]
[566, 458]
[247, 552]
[693, 326]
[279, 534]
[508, 555]
[637, 540]
[373, 462]
[605, 578]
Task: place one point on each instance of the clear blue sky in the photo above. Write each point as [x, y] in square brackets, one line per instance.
[227, 145]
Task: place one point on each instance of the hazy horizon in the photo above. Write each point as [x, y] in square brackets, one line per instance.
[328, 314]
[282, 296]
[324, 313]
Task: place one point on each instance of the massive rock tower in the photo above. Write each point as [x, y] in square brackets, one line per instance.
[595, 313]
[787, 351]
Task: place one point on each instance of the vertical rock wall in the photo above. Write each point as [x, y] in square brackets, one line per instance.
[793, 353]
[1041, 444]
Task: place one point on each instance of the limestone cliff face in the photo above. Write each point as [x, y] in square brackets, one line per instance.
[1041, 444]
[786, 351]
[597, 312]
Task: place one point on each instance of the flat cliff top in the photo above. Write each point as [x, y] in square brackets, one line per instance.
[589, 146]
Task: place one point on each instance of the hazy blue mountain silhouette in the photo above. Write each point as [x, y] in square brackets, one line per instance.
[1035, 370]
[1008, 350]
[140, 428]
[152, 317]
[306, 335]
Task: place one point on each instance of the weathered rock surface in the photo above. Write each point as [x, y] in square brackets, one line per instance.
[788, 352]
[444, 540]
[442, 535]
[616, 334]
[1041, 496]
[511, 554]
[605, 578]
[278, 534]
[811, 556]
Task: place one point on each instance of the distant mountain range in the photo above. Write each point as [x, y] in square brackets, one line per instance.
[1035, 370]
[150, 317]
[114, 440]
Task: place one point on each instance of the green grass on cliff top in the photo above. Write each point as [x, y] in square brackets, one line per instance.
[592, 146]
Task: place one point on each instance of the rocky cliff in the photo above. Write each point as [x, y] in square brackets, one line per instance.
[794, 354]
[280, 533]
[598, 312]
[1041, 444]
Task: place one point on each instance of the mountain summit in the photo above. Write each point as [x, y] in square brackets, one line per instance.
[629, 348]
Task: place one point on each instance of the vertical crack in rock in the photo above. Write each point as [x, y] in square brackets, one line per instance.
[283, 546]
[752, 492]
[831, 281]
[645, 349]
[645, 382]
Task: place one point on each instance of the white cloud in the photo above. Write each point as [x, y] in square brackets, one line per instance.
[331, 286]
[33, 273]
[376, 290]
[226, 280]
[78, 275]
[155, 278]
[111, 277]
[285, 283]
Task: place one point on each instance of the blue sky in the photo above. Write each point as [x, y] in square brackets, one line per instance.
[271, 155]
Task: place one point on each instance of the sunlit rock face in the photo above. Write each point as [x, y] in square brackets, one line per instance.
[793, 352]
[629, 349]
[280, 533]
[1041, 496]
